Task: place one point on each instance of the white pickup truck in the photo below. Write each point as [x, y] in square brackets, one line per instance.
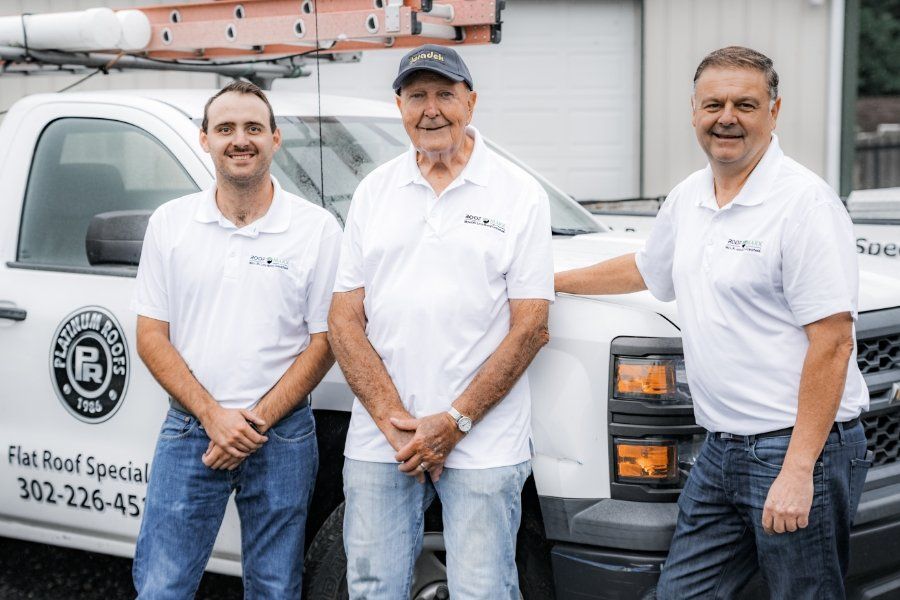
[614, 440]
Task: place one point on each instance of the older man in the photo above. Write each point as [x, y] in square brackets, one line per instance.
[232, 299]
[441, 302]
[759, 253]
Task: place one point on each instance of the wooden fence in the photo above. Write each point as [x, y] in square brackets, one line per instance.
[877, 160]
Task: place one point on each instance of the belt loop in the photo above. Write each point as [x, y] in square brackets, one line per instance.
[840, 429]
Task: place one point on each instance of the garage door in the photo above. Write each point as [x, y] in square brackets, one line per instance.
[561, 92]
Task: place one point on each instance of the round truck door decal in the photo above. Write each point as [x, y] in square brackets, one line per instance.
[89, 364]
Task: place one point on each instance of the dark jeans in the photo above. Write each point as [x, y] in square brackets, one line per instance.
[719, 540]
[186, 502]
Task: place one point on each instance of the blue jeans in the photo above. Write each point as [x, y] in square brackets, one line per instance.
[384, 524]
[720, 543]
[186, 502]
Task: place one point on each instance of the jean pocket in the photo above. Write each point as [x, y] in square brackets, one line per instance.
[177, 425]
[769, 452]
[296, 427]
[859, 468]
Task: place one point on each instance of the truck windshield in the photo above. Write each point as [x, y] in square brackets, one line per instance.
[353, 146]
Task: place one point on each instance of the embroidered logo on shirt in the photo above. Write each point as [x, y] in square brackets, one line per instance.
[754, 246]
[485, 222]
[269, 261]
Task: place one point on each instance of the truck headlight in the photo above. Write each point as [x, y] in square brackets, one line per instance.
[646, 461]
[655, 460]
[659, 378]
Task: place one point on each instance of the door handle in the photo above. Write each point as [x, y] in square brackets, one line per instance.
[12, 313]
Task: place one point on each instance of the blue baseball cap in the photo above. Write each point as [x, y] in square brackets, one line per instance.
[437, 59]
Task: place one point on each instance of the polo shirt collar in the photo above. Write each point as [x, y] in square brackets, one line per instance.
[276, 220]
[756, 188]
[476, 171]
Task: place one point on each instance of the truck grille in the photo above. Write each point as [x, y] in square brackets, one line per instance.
[883, 435]
[876, 355]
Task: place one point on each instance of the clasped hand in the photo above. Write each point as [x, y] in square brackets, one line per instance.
[433, 438]
[232, 438]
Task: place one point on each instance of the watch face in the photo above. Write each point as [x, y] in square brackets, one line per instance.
[465, 424]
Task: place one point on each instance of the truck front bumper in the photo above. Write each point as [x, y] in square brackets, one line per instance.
[598, 559]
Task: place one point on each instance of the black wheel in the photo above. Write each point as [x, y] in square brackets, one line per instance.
[325, 566]
[533, 550]
[325, 572]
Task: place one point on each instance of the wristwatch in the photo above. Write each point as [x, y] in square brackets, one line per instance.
[463, 422]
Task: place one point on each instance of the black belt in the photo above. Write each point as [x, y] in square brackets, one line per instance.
[173, 403]
[724, 435]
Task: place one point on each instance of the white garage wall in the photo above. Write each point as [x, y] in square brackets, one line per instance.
[561, 92]
[679, 33]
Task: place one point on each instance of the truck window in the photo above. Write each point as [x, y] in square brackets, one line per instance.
[350, 147]
[83, 167]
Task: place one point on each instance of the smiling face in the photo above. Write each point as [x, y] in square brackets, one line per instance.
[435, 112]
[239, 139]
[733, 116]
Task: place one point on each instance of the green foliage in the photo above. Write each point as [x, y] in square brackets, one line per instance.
[879, 48]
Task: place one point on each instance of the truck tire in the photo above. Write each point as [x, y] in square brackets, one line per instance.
[325, 571]
[325, 567]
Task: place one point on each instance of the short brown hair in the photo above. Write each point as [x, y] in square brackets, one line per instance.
[739, 57]
[239, 87]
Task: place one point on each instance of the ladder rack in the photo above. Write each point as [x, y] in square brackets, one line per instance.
[259, 40]
[224, 28]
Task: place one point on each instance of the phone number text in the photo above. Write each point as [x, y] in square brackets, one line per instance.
[129, 505]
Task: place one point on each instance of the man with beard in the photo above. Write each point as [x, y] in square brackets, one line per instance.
[440, 304]
[759, 252]
[232, 297]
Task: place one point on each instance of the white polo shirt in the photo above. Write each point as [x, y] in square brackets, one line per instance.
[748, 277]
[240, 303]
[438, 273]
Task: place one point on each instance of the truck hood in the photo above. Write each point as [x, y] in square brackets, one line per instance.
[573, 252]
[879, 280]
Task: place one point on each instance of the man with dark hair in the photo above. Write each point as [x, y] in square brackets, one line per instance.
[232, 297]
[759, 253]
[440, 304]
[239, 87]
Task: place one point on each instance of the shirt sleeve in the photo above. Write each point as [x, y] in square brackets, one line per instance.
[820, 273]
[350, 274]
[530, 274]
[318, 299]
[151, 295]
[655, 259]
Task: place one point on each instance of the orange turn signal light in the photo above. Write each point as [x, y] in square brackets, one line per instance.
[644, 378]
[646, 460]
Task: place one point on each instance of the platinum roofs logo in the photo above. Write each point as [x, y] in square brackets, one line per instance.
[485, 222]
[89, 364]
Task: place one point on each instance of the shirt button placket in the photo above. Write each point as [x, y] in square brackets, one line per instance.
[708, 248]
[232, 260]
[432, 217]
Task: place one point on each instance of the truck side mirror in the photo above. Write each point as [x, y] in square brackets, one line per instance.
[116, 237]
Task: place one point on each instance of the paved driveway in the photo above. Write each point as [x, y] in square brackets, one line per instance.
[39, 572]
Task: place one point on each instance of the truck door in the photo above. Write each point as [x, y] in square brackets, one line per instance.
[80, 413]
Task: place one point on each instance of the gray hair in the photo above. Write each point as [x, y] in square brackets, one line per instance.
[740, 57]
